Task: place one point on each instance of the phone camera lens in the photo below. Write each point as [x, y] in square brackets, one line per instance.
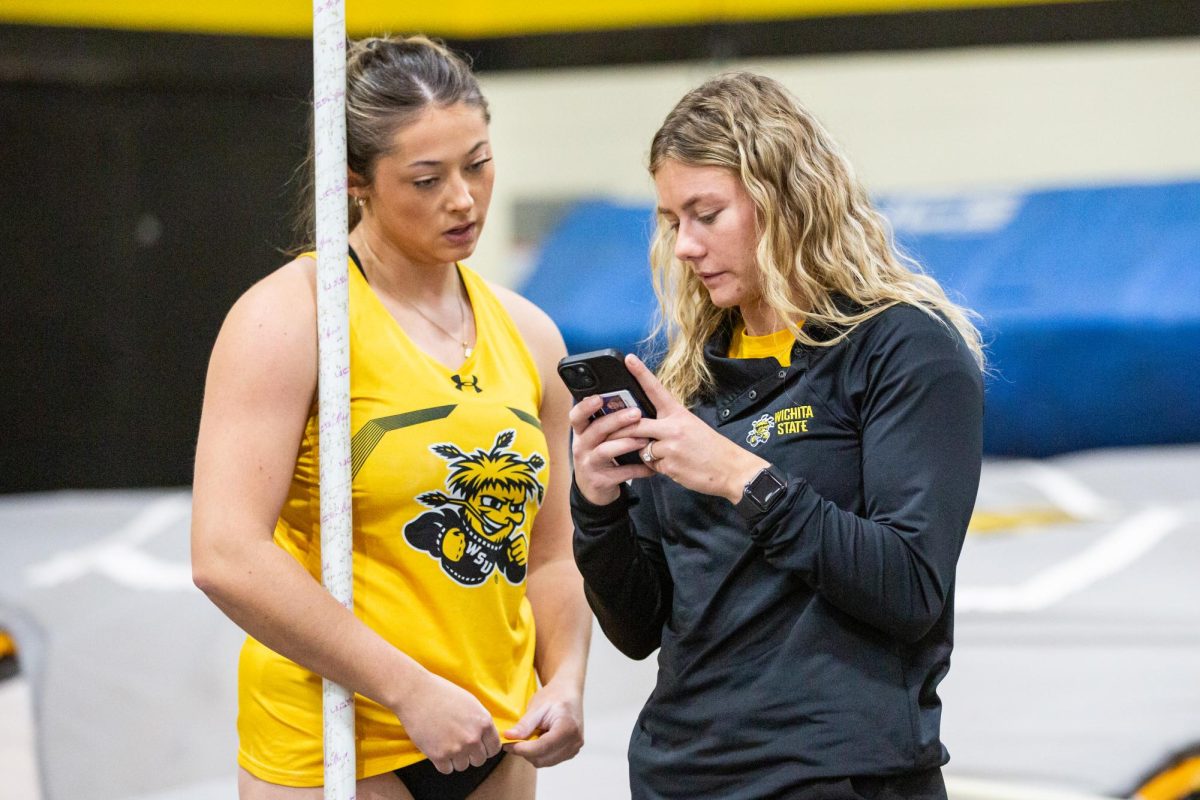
[582, 377]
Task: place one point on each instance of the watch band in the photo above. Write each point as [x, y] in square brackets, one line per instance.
[761, 493]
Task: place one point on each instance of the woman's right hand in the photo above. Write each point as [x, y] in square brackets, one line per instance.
[449, 725]
[596, 443]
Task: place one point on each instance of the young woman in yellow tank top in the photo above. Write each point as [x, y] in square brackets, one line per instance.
[468, 640]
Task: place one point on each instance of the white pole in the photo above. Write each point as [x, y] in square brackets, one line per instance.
[333, 365]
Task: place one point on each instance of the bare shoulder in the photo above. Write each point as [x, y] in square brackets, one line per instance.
[272, 326]
[539, 331]
[292, 287]
[283, 301]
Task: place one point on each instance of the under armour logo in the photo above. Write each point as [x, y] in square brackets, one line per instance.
[459, 383]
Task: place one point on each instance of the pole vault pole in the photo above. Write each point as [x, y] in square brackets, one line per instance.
[333, 365]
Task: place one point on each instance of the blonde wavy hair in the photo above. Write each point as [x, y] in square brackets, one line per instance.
[819, 235]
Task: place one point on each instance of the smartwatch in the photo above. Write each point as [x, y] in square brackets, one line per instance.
[761, 494]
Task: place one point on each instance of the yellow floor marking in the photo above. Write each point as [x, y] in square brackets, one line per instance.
[1021, 520]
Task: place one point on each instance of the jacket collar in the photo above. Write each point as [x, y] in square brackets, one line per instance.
[733, 375]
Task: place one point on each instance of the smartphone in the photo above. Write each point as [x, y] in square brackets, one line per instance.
[603, 373]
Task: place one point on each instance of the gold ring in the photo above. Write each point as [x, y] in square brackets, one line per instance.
[648, 453]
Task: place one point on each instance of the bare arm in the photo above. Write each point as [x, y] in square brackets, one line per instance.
[554, 588]
[259, 392]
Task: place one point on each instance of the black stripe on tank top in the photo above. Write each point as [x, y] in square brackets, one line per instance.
[357, 263]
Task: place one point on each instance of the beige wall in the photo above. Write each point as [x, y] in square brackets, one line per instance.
[940, 120]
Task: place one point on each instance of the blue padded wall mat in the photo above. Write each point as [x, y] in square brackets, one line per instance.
[1089, 297]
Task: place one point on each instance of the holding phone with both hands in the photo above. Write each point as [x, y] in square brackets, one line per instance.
[603, 373]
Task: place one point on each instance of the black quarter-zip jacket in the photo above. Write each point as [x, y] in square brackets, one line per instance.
[808, 643]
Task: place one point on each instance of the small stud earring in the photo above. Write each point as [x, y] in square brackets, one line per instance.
[361, 202]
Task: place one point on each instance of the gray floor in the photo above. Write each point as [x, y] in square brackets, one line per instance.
[1078, 642]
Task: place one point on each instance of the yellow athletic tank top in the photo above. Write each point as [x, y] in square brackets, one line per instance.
[449, 469]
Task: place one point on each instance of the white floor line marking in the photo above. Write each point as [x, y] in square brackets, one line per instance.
[961, 788]
[1067, 492]
[139, 570]
[1128, 542]
[117, 557]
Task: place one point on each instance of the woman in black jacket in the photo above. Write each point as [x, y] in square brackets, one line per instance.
[789, 541]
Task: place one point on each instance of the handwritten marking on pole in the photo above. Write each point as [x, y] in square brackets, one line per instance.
[333, 358]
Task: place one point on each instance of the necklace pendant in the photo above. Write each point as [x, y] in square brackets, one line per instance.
[467, 350]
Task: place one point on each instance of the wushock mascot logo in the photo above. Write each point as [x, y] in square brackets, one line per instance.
[760, 431]
[478, 529]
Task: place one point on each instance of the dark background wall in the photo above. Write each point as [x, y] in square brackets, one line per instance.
[135, 210]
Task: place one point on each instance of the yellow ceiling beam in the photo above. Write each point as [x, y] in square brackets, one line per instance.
[450, 18]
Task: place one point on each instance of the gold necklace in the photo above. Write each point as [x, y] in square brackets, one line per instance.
[462, 314]
[462, 311]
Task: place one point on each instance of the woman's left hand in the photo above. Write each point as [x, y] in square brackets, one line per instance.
[684, 448]
[556, 715]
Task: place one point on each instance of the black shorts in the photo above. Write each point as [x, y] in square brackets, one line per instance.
[424, 782]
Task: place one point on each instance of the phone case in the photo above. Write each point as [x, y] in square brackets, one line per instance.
[603, 373]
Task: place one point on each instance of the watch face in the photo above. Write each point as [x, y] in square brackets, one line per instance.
[761, 493]
[764, 487]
